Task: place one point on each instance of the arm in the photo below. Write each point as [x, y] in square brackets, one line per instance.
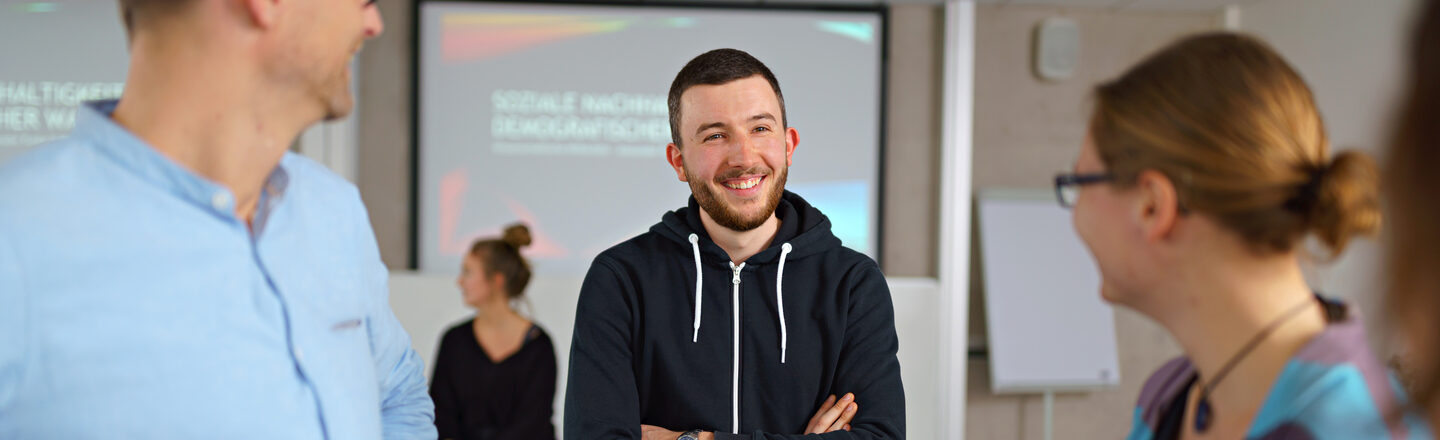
[442, 390]
[537, 406]
[867, 366]
[601, 401]
[834, 415]
[406, 411]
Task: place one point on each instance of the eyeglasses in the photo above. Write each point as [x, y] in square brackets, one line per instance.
[1067, 186]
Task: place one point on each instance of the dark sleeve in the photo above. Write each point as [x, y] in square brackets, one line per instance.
[868, 366]
[601, 399]
[442, 391]
[536, 404]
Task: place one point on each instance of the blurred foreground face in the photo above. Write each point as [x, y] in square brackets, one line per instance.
[1100, 218]
[315, 43]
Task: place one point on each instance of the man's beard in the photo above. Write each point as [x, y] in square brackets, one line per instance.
[338, 100]
[334, 89]
[726, 215]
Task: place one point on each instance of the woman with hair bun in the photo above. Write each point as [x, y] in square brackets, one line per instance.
[1204, 168]
[495, 374]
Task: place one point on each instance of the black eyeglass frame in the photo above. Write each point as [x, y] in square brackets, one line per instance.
[1066, 180]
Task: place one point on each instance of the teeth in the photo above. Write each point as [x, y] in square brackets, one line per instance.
[747, 184]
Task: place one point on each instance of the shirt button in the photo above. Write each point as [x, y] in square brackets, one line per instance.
[220, 201]
[299, 354]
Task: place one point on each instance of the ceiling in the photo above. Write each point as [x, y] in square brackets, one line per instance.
[1129, 5]
[1122, 5]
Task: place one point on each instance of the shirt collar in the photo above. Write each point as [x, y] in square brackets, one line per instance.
[93, 122]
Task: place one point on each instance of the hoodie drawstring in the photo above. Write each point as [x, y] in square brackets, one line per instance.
[779, 293]
[735, 281]
[695, 245]
[780, 298]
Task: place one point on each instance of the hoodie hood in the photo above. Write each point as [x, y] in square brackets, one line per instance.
[804, 227]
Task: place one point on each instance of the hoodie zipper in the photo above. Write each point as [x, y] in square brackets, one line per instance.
[735, 383]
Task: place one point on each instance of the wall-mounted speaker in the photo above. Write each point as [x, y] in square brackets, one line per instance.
[1057, 48]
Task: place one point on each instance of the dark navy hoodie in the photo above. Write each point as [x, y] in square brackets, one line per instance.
[740, 364]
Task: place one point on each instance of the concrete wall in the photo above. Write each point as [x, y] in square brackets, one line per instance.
[383, 147]
[912, 150]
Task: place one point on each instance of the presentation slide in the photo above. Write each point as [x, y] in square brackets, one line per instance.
[555, 115]
[56, 55]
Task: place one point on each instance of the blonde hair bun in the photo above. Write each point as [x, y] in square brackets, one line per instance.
[1347, 200]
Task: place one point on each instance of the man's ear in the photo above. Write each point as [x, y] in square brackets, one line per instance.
[262, 13]
[1158, 207]
[677, 160]
[792, 140]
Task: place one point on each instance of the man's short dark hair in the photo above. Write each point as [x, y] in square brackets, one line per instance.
[717, 67]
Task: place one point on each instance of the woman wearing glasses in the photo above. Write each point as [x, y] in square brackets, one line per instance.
[1204, 168]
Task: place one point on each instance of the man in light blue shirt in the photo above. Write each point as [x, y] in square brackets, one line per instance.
[169, 270]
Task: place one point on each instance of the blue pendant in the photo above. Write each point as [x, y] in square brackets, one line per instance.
[1202, 415]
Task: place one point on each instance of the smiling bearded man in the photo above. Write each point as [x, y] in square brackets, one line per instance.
[780, 356]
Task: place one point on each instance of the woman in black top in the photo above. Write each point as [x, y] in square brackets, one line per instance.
[495, 374]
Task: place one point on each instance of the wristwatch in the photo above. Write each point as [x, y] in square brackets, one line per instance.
[693, 434]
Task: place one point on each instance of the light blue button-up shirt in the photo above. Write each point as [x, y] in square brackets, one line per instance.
[135, 304]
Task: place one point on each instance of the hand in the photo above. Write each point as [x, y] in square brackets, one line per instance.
[833, 416]
[651, 432]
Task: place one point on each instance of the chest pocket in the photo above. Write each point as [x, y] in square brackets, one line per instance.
[343, 322]
[338, 325]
